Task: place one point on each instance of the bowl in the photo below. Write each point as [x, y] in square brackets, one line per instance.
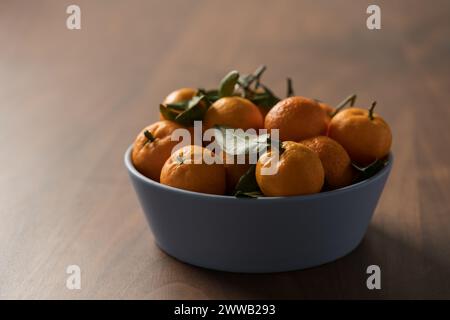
[272, 234]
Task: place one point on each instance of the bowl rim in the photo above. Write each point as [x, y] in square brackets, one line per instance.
[131, 169]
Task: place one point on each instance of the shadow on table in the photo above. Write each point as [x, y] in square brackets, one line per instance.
[406, 272]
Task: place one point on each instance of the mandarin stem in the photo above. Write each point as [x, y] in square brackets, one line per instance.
[290, 88]
[371, 110]
[343, 104]
[149, 136]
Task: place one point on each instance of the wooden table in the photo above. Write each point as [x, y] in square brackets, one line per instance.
[72, 101]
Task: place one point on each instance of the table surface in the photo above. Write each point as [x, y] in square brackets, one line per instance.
[72, 101]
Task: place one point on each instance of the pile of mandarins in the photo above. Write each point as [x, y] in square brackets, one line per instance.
[321, 147]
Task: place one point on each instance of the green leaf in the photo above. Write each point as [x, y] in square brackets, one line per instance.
[195, 110]
[370, 170]
[245, 81]
[211, 95]
[266, 99]
[238, 142]
[247, 185]
[180, 106]
[251, 195]
[167, 113]
[228, 83]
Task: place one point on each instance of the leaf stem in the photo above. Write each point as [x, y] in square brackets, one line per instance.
[246, 81]
[374, 103]
[350, 99]
[257, 75]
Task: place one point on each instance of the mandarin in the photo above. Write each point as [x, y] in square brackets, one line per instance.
[363, 133]
[299, 171]
[183, 171]
[152, 147]
[297, 118]
[234, 112]
[335, 160]
[180, 95]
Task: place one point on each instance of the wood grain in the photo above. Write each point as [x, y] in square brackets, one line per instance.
[72, 101]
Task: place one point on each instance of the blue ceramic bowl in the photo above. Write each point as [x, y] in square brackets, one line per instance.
[258, 235]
